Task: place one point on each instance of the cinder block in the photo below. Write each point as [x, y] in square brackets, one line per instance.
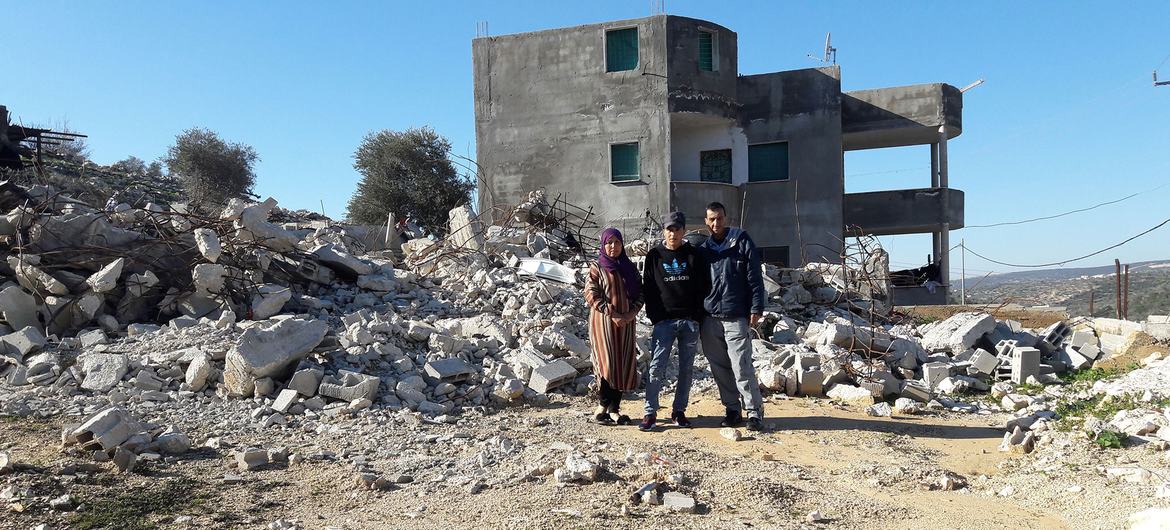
[1025, 363]
[933, 373]
[551, 375]
[984, 362]
[812, 383]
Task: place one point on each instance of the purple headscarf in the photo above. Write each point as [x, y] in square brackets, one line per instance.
[621, 265]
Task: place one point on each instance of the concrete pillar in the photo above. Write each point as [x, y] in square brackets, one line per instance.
[934, 165]
[945, 235]
[935, 236]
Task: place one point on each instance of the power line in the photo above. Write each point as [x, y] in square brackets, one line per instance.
[1079, 210]
[1056, 263]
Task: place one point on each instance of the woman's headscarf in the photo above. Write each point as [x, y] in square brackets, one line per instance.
[621, 264]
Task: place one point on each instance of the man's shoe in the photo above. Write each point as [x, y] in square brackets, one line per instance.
[680, 418]
[733, 419]
[648, 422]
[755, 424]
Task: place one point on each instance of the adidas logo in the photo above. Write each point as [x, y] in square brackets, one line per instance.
[674, 268]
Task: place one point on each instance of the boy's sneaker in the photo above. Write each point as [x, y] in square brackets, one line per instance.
[733, 419]
[755, 424]
[680, 418]
[648, 422]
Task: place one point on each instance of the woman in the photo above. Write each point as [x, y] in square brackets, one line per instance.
[614, 295]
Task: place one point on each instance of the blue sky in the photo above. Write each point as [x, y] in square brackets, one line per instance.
[1067, 118]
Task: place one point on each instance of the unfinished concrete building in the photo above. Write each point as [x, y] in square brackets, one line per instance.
[644, 116]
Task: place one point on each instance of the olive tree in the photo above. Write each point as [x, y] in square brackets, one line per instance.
[407, 173]
[211, 170]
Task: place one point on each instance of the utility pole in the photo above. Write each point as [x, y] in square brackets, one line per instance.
[1092, 298]
[963, 279]
[1117, 265]
[1125, 302]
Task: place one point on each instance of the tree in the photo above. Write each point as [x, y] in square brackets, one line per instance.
[137, 167]
[211, 170]
[409, 174]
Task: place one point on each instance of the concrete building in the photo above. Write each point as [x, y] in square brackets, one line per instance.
[648, 115]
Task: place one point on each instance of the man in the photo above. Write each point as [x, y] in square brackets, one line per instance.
[734, 306]
[674, 283]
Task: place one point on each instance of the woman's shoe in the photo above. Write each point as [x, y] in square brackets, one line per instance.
[601, 417]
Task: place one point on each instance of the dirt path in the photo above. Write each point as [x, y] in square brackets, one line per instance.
[860, 472]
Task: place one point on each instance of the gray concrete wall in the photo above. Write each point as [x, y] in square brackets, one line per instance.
[802, 107]
[911, 211]
[546, 113]
[899, 116]
[694, 90]
[692, 198]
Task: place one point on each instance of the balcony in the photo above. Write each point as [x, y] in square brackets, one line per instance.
[910, 211]
[900, 116]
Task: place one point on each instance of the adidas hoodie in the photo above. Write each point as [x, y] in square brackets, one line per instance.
[675, 282]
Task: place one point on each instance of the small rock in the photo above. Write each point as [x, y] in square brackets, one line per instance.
[63, 503]
[734, 435]
[816, 517]
[880, 410]
[679, 502]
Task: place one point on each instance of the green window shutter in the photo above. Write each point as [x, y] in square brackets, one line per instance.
[706, 51]
[768, 162]
[623, 162]
[715, 166]
[621, 49]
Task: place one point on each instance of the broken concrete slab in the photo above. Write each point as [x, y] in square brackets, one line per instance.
[306, 381]
[850, 394]
[104, 430]
[269, 300]
[269, 352]
[342, 261]
[103, 371]
[959, 332]
[23, 342]
[33, 278]
[106, 279]
[19, 308]
[253, 225]
[208, 244]
[465, 229]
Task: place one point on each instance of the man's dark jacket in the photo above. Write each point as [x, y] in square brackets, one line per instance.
[737, 280]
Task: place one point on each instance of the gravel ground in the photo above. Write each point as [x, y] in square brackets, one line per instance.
[495, 471]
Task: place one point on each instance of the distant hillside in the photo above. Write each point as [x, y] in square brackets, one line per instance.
[1149, 289]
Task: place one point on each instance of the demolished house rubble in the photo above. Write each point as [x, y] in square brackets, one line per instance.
[158, 305]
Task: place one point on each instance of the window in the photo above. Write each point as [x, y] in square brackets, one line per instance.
[768, 162]
[623, 162]
[621, 49]
[707, 55]
[777, 256]
[715, 166]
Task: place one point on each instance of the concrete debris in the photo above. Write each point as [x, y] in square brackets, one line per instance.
[267, 352]
[678, 502]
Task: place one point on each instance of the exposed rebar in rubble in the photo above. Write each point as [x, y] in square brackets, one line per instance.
[70, 241]
[565, 229]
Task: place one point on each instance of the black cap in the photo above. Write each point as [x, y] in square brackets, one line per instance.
[674, 219]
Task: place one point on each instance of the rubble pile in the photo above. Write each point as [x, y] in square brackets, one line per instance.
[158, 312]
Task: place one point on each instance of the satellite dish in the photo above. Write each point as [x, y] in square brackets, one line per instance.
[830, 54]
